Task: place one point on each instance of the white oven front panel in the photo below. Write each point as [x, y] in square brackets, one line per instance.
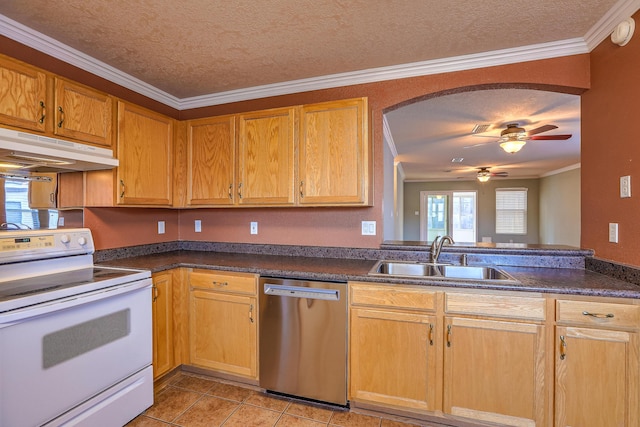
[54, 360]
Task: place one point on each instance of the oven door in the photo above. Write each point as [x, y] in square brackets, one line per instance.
[57, 355]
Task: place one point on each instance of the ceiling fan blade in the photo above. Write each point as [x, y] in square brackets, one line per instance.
[550, 137]
[541, 129]
[500, 174]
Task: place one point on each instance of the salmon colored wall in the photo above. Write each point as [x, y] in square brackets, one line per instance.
[312, 226]
[342, 226]
[119, 227]
[611, 149]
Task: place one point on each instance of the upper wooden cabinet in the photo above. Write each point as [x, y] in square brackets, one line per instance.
[145, 154]
[266, 149]
[311, 155]
[35, 100]
[334, 155]
[211, 161]
[82, 113]
[23, 96]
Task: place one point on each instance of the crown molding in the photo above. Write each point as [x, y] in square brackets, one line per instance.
[416, 69]
[386, 131]
[45, 44]
[561, 170]
[623, 9]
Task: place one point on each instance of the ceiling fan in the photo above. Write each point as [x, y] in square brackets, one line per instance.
[513, 137]
[484, 174]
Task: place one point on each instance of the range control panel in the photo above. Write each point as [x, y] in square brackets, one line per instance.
[23, 245]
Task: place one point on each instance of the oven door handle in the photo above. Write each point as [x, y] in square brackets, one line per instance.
[12, 317]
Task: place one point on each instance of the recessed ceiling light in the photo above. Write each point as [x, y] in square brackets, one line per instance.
[457, 160]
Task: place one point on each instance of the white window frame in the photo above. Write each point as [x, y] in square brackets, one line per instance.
[512, 217]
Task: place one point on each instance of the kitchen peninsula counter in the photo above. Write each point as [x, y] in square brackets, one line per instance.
[571, 281]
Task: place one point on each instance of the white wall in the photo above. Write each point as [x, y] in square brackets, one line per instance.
[560, 208]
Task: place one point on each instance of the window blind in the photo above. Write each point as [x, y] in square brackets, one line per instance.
[511, 211]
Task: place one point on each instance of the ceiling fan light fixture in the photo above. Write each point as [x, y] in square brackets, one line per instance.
[512, 146]
[483, 175]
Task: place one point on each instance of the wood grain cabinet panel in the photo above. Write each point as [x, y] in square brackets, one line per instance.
[162, 309]
[494, 371]
[82, 113]
[211, 161]
[334, 153]
[266, 150]
[23, 96]
[223, 323]
[596, 378]
[393, 358]
[144, 176]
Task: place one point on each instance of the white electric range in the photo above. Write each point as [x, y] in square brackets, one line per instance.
[75, 338]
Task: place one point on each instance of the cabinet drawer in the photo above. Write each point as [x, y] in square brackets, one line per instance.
[391, 296]
[242, 283]
[588, 313]
[496, 305]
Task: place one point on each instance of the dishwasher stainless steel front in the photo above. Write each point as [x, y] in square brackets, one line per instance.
[303, 339]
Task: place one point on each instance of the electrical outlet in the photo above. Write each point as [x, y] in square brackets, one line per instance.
[160, 227]
[613, 232]
[254, 227]
[61, 221]
[625, 186]
[197, 225]
[368, 228]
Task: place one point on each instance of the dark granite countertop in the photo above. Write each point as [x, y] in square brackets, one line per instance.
[572, 281]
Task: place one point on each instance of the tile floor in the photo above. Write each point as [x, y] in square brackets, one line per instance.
[190, 400]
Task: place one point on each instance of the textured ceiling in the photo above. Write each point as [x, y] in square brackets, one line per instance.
[195, 50]
[191, 48]
[429, 134]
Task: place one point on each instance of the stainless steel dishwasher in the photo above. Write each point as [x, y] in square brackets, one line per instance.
[303, 339]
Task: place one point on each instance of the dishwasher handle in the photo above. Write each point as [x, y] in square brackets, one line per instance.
[301, 292]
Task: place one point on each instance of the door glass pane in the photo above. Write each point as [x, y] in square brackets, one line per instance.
[437, 216]
[464, 217]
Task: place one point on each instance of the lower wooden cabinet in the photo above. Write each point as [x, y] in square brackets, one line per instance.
[223, 324]
[162, 297]
[393, 358]
[393, 346]
[597, 364]
[494, 371]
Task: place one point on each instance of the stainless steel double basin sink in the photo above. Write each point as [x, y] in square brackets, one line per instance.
[439, 271]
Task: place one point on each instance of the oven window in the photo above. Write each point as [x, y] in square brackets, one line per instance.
[65, 344]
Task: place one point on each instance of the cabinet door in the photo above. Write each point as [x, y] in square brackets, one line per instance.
[266, 149]
[23, 96]
[144, 151]
[162, 295]
[223, 332]
[596, 378]
[82, 113]
[333, 157]
[393, 358]
[494, 371]
[211, 161]
[43, 194]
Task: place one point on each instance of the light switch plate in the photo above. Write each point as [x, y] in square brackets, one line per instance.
[254, 227]
[160, 227]
[613, 232]
[625, 186]
[197, 225]
[368, 228]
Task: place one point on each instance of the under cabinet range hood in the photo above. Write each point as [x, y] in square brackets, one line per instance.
[27, 152]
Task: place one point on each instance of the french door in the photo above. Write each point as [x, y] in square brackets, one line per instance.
[452, 213]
